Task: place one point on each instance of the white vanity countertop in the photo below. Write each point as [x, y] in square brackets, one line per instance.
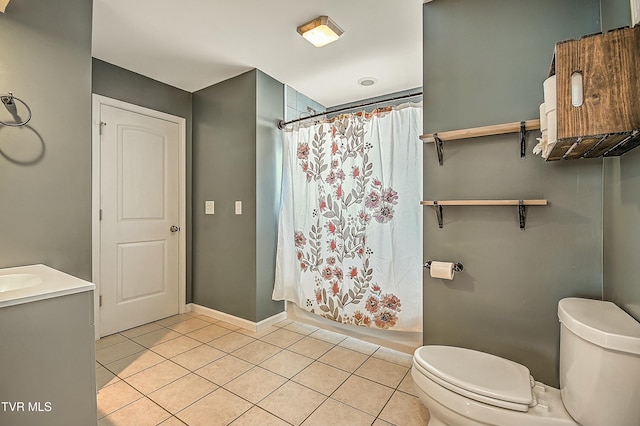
[54, 284]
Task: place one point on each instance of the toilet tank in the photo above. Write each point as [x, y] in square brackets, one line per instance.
[599, 363]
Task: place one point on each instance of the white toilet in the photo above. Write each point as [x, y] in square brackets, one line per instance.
[599, 377]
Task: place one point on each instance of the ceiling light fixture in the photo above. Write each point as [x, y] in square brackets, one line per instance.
[320, 31]
[367, 81]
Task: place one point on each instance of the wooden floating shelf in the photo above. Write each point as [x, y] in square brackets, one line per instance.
[474, 132]
[484, 202]
[496, 129]
[521, 204]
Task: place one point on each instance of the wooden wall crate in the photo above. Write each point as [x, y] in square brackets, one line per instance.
[608, 121]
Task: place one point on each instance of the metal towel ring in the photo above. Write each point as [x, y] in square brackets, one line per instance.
[8, 101]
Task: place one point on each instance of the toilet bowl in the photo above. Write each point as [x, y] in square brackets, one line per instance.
[462, 387]
[599, 377]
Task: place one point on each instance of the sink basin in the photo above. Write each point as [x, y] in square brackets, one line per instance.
[32, 283]
[18, 281]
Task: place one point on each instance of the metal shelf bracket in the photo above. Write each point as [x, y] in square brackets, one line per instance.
[438, 209]
[522, 210]
[439, 144]
[523, 138]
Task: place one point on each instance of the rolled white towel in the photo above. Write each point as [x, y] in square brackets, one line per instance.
[540, 148]
[543, 117]
[550, 99]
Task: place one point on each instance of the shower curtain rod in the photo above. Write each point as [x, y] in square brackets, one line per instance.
[282, 123]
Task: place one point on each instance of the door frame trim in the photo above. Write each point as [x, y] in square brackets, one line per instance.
[97, 102]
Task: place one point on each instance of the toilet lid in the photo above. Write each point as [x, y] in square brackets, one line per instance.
[478, 375]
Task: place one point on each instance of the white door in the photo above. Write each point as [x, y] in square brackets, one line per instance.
[140, 218]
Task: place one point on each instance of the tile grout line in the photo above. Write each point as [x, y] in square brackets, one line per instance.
[354, 374]
[281, 349]
[145, 395]
[369, 356]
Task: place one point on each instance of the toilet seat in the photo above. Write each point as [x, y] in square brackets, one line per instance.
[476, 375]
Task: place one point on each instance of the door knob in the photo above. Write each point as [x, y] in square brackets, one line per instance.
[174, 228]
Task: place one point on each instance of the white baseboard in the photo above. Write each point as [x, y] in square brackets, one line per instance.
[240, 322]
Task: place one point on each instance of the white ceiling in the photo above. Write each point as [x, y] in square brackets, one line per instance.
[192, 44]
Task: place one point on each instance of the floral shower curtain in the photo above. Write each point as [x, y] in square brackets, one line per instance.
[350, 231]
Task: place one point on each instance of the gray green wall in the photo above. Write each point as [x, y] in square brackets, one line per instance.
[297, 105]
[622, 231]
[234, 255]
[45, 168]
[224, 128]
[269, 109]
[615, 14]
[118, 83]
[484, 63]
[621, 204]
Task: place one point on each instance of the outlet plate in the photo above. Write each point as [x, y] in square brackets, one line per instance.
[238, 207]
[209, 207]
[635, 12]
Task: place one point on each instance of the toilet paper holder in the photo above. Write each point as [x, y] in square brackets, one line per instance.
[457, 267]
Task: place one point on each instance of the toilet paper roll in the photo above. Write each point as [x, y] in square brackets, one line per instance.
[442, 270]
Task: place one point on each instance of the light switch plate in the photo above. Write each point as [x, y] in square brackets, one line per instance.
[635, 12]
[209, 207]
[238, 207]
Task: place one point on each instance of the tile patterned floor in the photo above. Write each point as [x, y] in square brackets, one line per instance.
[194, 370]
